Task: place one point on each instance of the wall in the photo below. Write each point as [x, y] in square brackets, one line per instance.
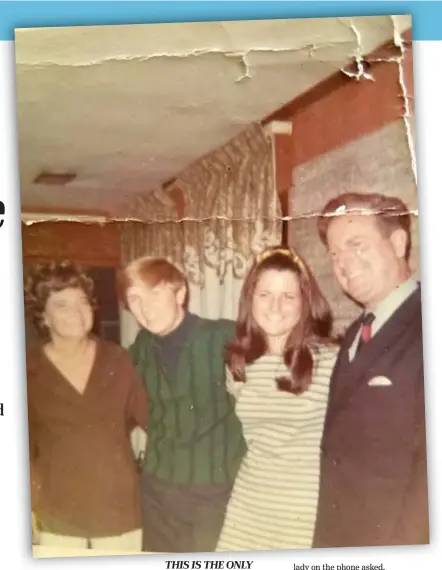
[89, 244]
[347, 135]
[355, 109]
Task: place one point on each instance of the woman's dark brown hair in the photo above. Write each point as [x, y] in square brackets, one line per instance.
[312, 329]
[42, 280]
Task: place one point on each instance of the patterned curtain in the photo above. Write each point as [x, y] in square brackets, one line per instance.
[230, 213]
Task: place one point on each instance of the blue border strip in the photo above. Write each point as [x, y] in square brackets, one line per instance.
[427, 16]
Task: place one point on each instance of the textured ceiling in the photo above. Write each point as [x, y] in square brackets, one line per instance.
[129, 107]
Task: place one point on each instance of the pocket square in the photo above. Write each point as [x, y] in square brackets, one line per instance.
[380, 381]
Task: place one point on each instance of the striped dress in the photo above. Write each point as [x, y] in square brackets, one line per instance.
[274, 499]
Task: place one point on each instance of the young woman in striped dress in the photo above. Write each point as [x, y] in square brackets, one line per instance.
[279, 365]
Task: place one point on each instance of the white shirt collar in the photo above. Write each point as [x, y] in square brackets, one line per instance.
[385, 309]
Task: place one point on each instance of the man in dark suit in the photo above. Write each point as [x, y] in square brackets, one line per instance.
[373, 479]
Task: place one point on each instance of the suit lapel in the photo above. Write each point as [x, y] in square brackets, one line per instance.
[340, 379]
[349, 376]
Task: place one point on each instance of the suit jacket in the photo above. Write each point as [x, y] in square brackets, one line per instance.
[373, 479]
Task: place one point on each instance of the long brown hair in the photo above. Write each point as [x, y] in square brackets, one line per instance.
[313, 327]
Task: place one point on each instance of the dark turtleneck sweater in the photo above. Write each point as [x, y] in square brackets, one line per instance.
[172, 344]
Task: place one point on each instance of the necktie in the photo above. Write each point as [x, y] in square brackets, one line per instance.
[366, 330]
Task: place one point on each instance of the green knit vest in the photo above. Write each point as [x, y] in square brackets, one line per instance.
[194, 435]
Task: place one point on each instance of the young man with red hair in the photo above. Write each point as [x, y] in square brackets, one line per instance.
[194, 439]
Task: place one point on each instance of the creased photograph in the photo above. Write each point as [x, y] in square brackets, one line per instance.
[224, 346]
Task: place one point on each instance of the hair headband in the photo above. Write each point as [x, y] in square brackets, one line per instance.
[282, 251]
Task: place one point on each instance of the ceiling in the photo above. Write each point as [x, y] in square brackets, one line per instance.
[128, 107]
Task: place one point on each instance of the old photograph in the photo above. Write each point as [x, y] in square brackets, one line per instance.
[224, 346]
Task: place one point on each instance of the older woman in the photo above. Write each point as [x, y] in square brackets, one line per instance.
[280, 365]
[84, 398]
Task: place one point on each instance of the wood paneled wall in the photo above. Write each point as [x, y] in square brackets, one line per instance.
[89, 244]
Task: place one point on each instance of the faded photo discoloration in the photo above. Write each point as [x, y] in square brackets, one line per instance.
[182, 169]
